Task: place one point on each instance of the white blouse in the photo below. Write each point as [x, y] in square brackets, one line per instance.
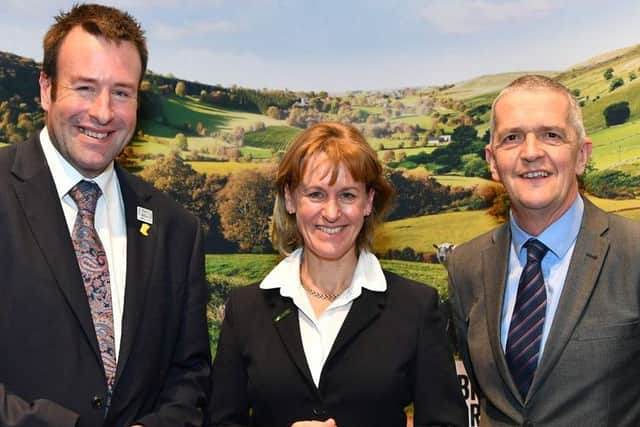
[318, 334]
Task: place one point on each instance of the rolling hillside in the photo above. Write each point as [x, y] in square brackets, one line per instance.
[487, 84]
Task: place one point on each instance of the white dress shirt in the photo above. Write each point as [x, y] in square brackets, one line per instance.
[319, 333]
[109, 221]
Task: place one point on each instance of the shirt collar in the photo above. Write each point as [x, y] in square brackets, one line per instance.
[65, 176]
[286, 276]
[559, 236]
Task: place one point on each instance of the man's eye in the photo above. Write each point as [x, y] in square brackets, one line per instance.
[512, 138]
[124, 94]
[84, 89]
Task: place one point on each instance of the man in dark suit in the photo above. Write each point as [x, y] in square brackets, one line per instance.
[102, 294]
[547, 306]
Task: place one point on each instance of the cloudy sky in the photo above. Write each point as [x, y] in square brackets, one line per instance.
[340, 45]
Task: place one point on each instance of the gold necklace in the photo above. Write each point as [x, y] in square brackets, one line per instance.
[314, 293]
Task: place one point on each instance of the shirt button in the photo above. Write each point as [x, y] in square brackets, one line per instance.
[97, 402]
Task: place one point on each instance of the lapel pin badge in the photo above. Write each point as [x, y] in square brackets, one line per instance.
[144, 229]
[282, 315]
[146, 217]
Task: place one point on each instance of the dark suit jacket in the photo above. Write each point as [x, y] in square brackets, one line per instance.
[589, 373]
[51, 372]
[390, 351]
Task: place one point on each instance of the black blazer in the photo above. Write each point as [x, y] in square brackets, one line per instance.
[51, 372]
[390, 351]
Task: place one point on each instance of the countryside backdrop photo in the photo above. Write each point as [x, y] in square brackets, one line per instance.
[231, 83]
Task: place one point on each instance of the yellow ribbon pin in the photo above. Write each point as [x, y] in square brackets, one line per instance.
[144, 229]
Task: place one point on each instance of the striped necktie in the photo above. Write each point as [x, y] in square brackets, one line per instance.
[92, 261]
[527, 322]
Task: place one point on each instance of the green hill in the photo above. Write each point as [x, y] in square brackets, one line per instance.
[588, 78]
[486, 84]
[273, 137]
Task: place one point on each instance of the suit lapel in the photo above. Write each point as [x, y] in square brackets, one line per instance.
[495, 260]
[140, 259]
[363, 311]
[284, 315]
[586, 262]
[36, 191]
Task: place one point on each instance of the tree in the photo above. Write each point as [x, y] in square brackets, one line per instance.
[616, 114]
[464, 134]
[193, 190]
[274, 112]
[297, 118]
[608, 73]
[501, 204]
[615, 83]
[612, 184]
[474, 165]
[417, 196]
[181, 142]
[245, 205]
[389, 156]
[238, 135]
[180, 88]
[486, 137]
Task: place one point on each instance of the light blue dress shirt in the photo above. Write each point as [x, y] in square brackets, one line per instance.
[560, 237]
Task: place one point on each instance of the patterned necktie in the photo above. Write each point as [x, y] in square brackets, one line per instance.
[92, 261]
[527, 322]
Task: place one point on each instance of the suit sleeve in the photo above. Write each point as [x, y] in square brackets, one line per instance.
[460, 322]
[229, 404]
[16, 412]
[438, 397]
[185, 392]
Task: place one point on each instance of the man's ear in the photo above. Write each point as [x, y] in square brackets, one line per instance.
[45, 91]
[584, 154]
[488, 155]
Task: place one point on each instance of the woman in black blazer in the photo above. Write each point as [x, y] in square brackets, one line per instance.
[328, 338]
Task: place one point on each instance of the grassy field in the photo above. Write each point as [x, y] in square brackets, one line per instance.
[629, 208]
[461, 181]
[422, 232]
[250, 268]
[256, 153]
[274, 137]
[369, 109]
[425, 122]
[225, 168]
[147, 147]
[616, 145]
[485, 84]
[432, 274]
[190, 110]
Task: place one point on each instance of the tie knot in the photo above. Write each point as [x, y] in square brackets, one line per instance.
[536, 250]
[86, 194]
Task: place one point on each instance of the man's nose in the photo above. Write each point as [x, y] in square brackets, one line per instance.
[101, 110]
